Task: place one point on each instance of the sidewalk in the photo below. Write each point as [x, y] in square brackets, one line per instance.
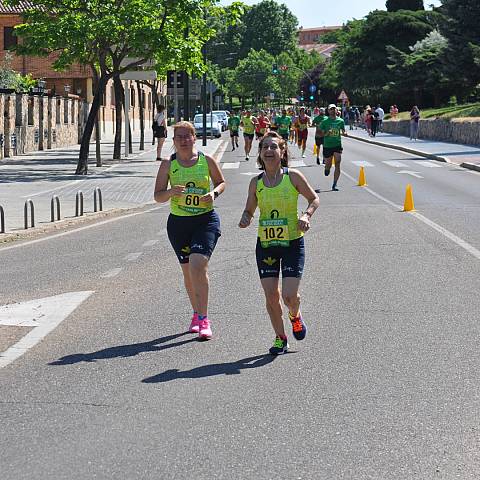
[463, 155]
[125, 183]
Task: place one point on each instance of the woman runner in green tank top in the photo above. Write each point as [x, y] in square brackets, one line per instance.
[193, 226]
[280, 233]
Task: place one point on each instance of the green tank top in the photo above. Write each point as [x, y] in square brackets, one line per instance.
[278, 223]
[248, 126]
[197, 182]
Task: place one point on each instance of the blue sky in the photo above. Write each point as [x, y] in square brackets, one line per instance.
[316, 13]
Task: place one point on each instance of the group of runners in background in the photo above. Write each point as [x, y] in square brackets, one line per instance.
[292, 126]
[191, 181]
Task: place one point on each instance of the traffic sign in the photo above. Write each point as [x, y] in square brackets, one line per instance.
[343, 96]
[312, 88]
[272, 96]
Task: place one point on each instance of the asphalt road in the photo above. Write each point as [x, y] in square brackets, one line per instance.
[384, 387]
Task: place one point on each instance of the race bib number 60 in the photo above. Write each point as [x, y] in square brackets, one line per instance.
[274, 233]
[190, 200]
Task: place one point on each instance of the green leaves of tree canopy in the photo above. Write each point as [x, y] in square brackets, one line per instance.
[395, 5]
[461, 26]
[102, 33]
[360, 62]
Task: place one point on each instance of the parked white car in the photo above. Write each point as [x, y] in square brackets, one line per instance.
[214, 125]
[223, 116]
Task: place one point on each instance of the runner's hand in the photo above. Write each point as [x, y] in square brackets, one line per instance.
[177, 190]
[208, 197]
[245, 220]
[304, 223]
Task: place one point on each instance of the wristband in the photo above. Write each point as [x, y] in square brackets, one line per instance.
[215, 194]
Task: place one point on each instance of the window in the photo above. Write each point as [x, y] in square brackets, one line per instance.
[9, 39]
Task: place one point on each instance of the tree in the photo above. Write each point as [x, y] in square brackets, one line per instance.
[359, 64]
[105, 33]
[423, 61]
[270, 27]
[460, 26]
[253, 75]
[11, 79]
[395, 5]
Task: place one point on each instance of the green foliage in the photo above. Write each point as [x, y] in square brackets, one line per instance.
[423, 62]
[11, 79]
[359, 64]
[268, 26]
[460, 26]
[395, 5]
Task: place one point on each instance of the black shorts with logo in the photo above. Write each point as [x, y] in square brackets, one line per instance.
[290, 259]
[193, 234]
[328, 152]
[319, 141]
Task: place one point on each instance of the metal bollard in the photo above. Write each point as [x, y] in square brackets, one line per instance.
[32, 214]
[97, 193]
[79, 204]
[2, 220]
[54, 201]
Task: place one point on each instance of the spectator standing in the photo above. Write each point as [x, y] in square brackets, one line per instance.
[381, 116]
[394, 112]
[414, 121]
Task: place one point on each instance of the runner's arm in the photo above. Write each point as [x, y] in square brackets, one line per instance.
[251, 204]
[218, 180]
[303, 187]
[162, 193]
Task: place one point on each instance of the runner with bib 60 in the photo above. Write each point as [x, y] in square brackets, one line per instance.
[193, 226]
[280, 243]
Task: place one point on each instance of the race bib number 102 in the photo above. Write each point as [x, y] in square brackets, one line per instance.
[274, 233]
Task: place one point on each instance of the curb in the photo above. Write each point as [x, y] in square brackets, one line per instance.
[431, 156]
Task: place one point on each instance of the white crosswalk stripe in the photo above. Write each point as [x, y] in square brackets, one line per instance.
[395, 163]
[427, 163]
[230, 165]
[362, 163]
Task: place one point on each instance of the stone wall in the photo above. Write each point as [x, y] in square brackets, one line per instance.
[455, 131]
[34, 123]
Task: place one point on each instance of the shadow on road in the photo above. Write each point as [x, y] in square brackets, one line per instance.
[125, 350]
[228, 368]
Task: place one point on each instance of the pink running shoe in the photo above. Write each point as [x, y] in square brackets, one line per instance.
[195, 325]
[205, 332]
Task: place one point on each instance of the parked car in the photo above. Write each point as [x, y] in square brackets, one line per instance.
[223, 116]
[214, 125]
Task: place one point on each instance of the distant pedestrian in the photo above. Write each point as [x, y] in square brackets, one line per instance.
[381, 115]
[374, 125]
[159, 127]
[191, 181]
[414, 121]
[394, 112]
[351, 117]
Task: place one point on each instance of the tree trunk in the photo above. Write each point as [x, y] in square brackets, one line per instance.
[142, 113]
[117, 146]
[98, 153]
[82, 165]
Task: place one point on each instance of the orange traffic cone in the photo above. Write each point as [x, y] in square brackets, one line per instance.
[361, 178]
[408, 205]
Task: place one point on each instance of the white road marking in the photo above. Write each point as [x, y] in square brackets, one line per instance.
[45, 314]
[111, 273]
[427, 163]
[411, 172]
[362, 163]
[230, 165]
[131, 257]
[296, 164]
[86, 227]
[218, 154]
[394, 163]
[451, 236]
[150, 243]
